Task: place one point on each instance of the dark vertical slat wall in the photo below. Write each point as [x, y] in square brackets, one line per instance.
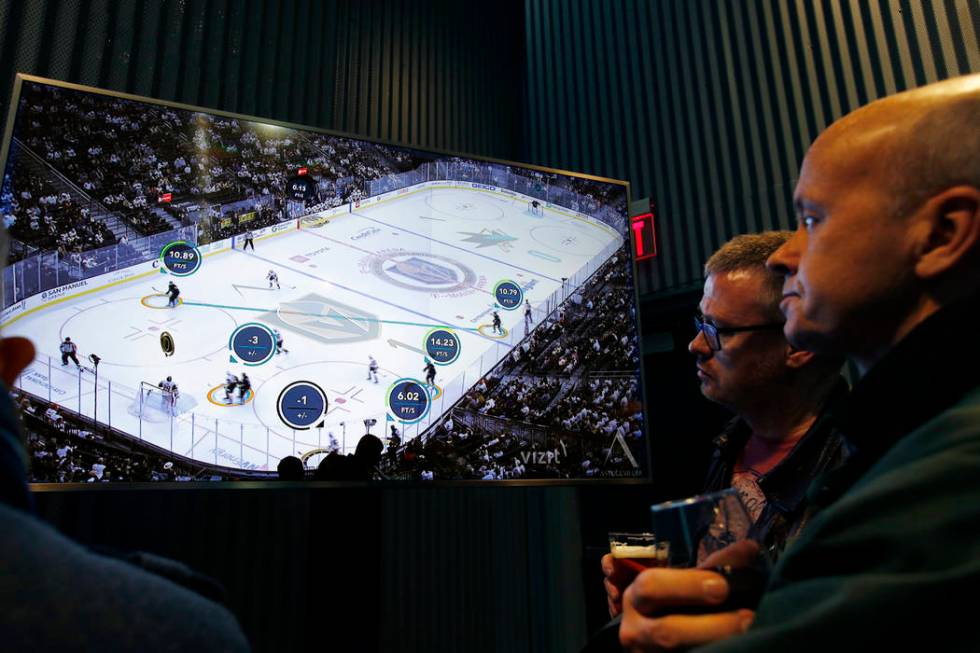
[435, 75]
[707, 106]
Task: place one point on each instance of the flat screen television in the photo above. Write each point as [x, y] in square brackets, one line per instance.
[211, 294]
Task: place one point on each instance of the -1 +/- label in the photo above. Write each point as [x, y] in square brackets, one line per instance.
[301, 404]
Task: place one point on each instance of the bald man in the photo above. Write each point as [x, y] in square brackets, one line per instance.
[885, 269]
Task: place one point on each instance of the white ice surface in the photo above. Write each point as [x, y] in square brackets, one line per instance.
[349, 261]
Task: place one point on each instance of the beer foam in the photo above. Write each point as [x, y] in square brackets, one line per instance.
[633, 551]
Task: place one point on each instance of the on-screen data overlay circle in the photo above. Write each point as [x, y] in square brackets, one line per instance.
[508, 294]
[180, 258]
[408, 400]
[252, 344]
[301, 404]
[441, 346]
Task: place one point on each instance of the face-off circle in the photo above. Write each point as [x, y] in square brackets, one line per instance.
[180, 258]
[422, 271]
[576, 241]
[442, 346]
[301, 404]
[408, 400]
[508, 294]
[252, 343]
[470, 207]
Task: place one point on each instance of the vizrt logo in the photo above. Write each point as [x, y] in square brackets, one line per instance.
[544, 457]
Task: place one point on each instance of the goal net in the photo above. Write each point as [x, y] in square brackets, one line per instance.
[154, 404]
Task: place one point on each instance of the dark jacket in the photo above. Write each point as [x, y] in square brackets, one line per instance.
[892, 554]
[821, 448]
[60, 596]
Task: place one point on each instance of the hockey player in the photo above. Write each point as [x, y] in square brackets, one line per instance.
[248, 235]
[69, 350]
[430, 373]
[528, 317]
[394, 441]
[535, 207]
[173, 292]
[272, 276]
[279, 348]
[169, 399]
[244, 385]
[231, 382]
[372, 369]
[496, 323]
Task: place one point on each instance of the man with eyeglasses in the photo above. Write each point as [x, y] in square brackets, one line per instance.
[782, 436]
[884, 268]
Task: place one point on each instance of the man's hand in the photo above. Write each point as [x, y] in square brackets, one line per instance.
[618, 577]
[648, 624]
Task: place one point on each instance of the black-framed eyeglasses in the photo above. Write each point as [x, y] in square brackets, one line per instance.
[713, 334]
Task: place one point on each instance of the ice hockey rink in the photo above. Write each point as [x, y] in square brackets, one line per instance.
[370, 281]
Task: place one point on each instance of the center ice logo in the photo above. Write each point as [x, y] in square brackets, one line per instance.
[325, 320]
[422, 271]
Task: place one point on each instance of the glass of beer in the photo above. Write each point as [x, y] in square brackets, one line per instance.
[638, 551]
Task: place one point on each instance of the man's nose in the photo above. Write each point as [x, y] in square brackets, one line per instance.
[784, 260]
[699, 345]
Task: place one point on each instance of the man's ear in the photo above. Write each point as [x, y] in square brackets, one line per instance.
[949, 231]
[797, 358]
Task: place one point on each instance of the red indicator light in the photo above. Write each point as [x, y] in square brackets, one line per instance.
[302, 171]
[166, 198]
[644, 236]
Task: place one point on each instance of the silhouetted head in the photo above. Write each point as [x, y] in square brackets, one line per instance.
[291, 468]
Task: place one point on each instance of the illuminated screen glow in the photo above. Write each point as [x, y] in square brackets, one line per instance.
[301, 289]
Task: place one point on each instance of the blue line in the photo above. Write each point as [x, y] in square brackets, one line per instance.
[462, 249]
